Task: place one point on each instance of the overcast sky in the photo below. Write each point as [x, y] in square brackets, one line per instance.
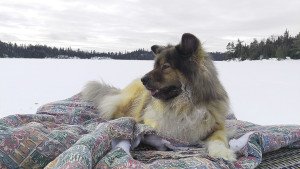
[119, 25]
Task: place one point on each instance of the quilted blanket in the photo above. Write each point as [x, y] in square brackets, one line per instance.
[70, 134]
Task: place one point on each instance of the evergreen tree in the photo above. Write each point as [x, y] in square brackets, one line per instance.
[239, 51]
[261, 46]
[295, 52]
[254, 51]
[269, 49]
[230, 51]
[280, 53]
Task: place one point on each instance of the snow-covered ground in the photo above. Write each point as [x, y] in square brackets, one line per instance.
[262, 92]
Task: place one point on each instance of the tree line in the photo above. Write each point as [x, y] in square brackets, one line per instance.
[280, 47]
[10, 50]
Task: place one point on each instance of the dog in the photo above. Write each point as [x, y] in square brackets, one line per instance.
[181, 97]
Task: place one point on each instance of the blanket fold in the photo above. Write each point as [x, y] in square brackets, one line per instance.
[70, 133]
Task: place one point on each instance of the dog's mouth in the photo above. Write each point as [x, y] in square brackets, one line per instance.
[165, 93]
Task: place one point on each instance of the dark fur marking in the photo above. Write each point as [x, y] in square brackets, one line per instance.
[185, 65]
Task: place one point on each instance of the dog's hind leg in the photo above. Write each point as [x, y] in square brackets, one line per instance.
[97, 92]
[121, 143]
[159, 143]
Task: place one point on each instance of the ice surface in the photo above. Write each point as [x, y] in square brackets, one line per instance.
[262, 92]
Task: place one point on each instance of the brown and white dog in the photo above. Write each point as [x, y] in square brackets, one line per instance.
[181, 97]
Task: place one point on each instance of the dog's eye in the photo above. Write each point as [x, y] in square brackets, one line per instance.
[165, 66]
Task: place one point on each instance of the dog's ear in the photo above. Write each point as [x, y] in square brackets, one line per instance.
[189, 44]
[156, 49]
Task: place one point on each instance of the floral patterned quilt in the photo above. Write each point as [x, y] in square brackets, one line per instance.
[70, 134]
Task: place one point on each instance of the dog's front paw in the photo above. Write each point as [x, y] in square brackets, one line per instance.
[218, 149]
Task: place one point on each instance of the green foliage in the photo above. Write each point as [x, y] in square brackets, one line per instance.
[42, 51]
[279, 47]
[295, 52]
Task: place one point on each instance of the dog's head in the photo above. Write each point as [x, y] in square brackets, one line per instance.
[174, 67]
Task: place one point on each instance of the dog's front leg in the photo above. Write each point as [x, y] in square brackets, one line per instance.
[217, 145]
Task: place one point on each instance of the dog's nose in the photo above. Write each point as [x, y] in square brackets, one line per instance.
[145, 80]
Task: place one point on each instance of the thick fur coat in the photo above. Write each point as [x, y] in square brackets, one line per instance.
[181, 97]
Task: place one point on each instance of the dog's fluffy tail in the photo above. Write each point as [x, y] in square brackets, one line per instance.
[95, 91]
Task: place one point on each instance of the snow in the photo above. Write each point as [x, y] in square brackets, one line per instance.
[263, 92]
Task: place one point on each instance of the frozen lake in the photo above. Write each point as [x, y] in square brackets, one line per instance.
[262, 92]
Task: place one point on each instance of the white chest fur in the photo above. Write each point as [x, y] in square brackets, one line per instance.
[192, 126]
